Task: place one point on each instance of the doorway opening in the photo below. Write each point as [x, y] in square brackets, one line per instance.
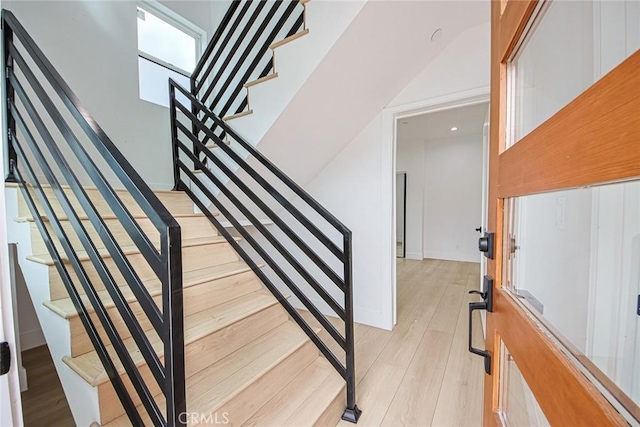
[441, 170]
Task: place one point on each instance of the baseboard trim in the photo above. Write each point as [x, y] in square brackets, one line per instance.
[414, 255]
[454, 256]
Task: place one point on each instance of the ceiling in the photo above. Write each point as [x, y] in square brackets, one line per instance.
[469, 120]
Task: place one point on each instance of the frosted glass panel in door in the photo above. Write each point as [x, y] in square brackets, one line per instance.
[570, 45]
[574, 262]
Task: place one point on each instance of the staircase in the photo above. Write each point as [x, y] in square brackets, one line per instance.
[154, 314]
[245, 359]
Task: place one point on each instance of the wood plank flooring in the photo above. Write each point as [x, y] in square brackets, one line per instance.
[44, 403]
[419, 374]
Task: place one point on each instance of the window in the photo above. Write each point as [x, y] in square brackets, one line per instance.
[168, 47]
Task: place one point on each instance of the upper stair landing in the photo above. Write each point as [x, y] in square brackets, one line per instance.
[294, 62]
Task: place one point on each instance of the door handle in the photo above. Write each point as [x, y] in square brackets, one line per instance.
[485, 304]
[479, 229]
[486, 244]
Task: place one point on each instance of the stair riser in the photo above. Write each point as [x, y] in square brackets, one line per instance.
[244, 404]
[193, 257]
[175, 202]
[196, 298]
[334, 411]
[200, 354]
[191, 228]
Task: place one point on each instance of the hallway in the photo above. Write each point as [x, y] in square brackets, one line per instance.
[421, 374]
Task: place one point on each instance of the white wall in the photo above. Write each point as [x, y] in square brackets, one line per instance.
[93, 44]
[356, 185]
[444, 196]
[384, 48]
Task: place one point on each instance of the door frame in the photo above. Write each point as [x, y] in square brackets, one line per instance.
[574, 399]
[390, 117]
[404, 215]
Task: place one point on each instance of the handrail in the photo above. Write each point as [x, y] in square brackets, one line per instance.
[22, 116]
[188, 146]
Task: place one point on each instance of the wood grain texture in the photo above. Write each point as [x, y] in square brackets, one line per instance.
[513, 22]
[494, 214]
[44, 403]
[422, 284]
[594, 139]
[573, 400]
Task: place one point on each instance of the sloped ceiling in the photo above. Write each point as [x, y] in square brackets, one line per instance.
[386, 46]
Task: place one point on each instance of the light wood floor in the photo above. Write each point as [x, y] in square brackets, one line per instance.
[420, 374]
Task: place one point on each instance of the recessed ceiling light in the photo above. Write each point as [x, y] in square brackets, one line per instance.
[436, 35]
[453, 129]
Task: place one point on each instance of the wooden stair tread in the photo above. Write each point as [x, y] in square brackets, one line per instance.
[221, 381]
[318, 401]
[90, 188]
[289, 39]
[65, 308]
[105, 217]
[213, 145]
[261, 80]
[127, 250]
[196, 326]
[314, 388]
[238, 115]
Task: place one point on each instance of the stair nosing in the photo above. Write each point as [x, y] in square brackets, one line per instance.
[238, 115]
[46, 259]
[23, 219]
[289, 39]
[266, 78]
[90, 188]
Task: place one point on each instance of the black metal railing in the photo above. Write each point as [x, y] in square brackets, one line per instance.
[52, 177]
[308, 254]
[239, 52]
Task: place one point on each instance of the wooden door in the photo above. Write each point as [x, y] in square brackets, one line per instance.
[588, 140]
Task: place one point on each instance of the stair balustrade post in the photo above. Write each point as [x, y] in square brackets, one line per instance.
[10, 123]
[173, 318]
[351, 413]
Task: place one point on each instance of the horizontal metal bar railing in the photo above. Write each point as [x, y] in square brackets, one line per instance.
[281, 176]
[145, 246]
[89, 246]
[271, 249]
[214, 48]
[24, 145]
[231, 51]
[254, 266]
